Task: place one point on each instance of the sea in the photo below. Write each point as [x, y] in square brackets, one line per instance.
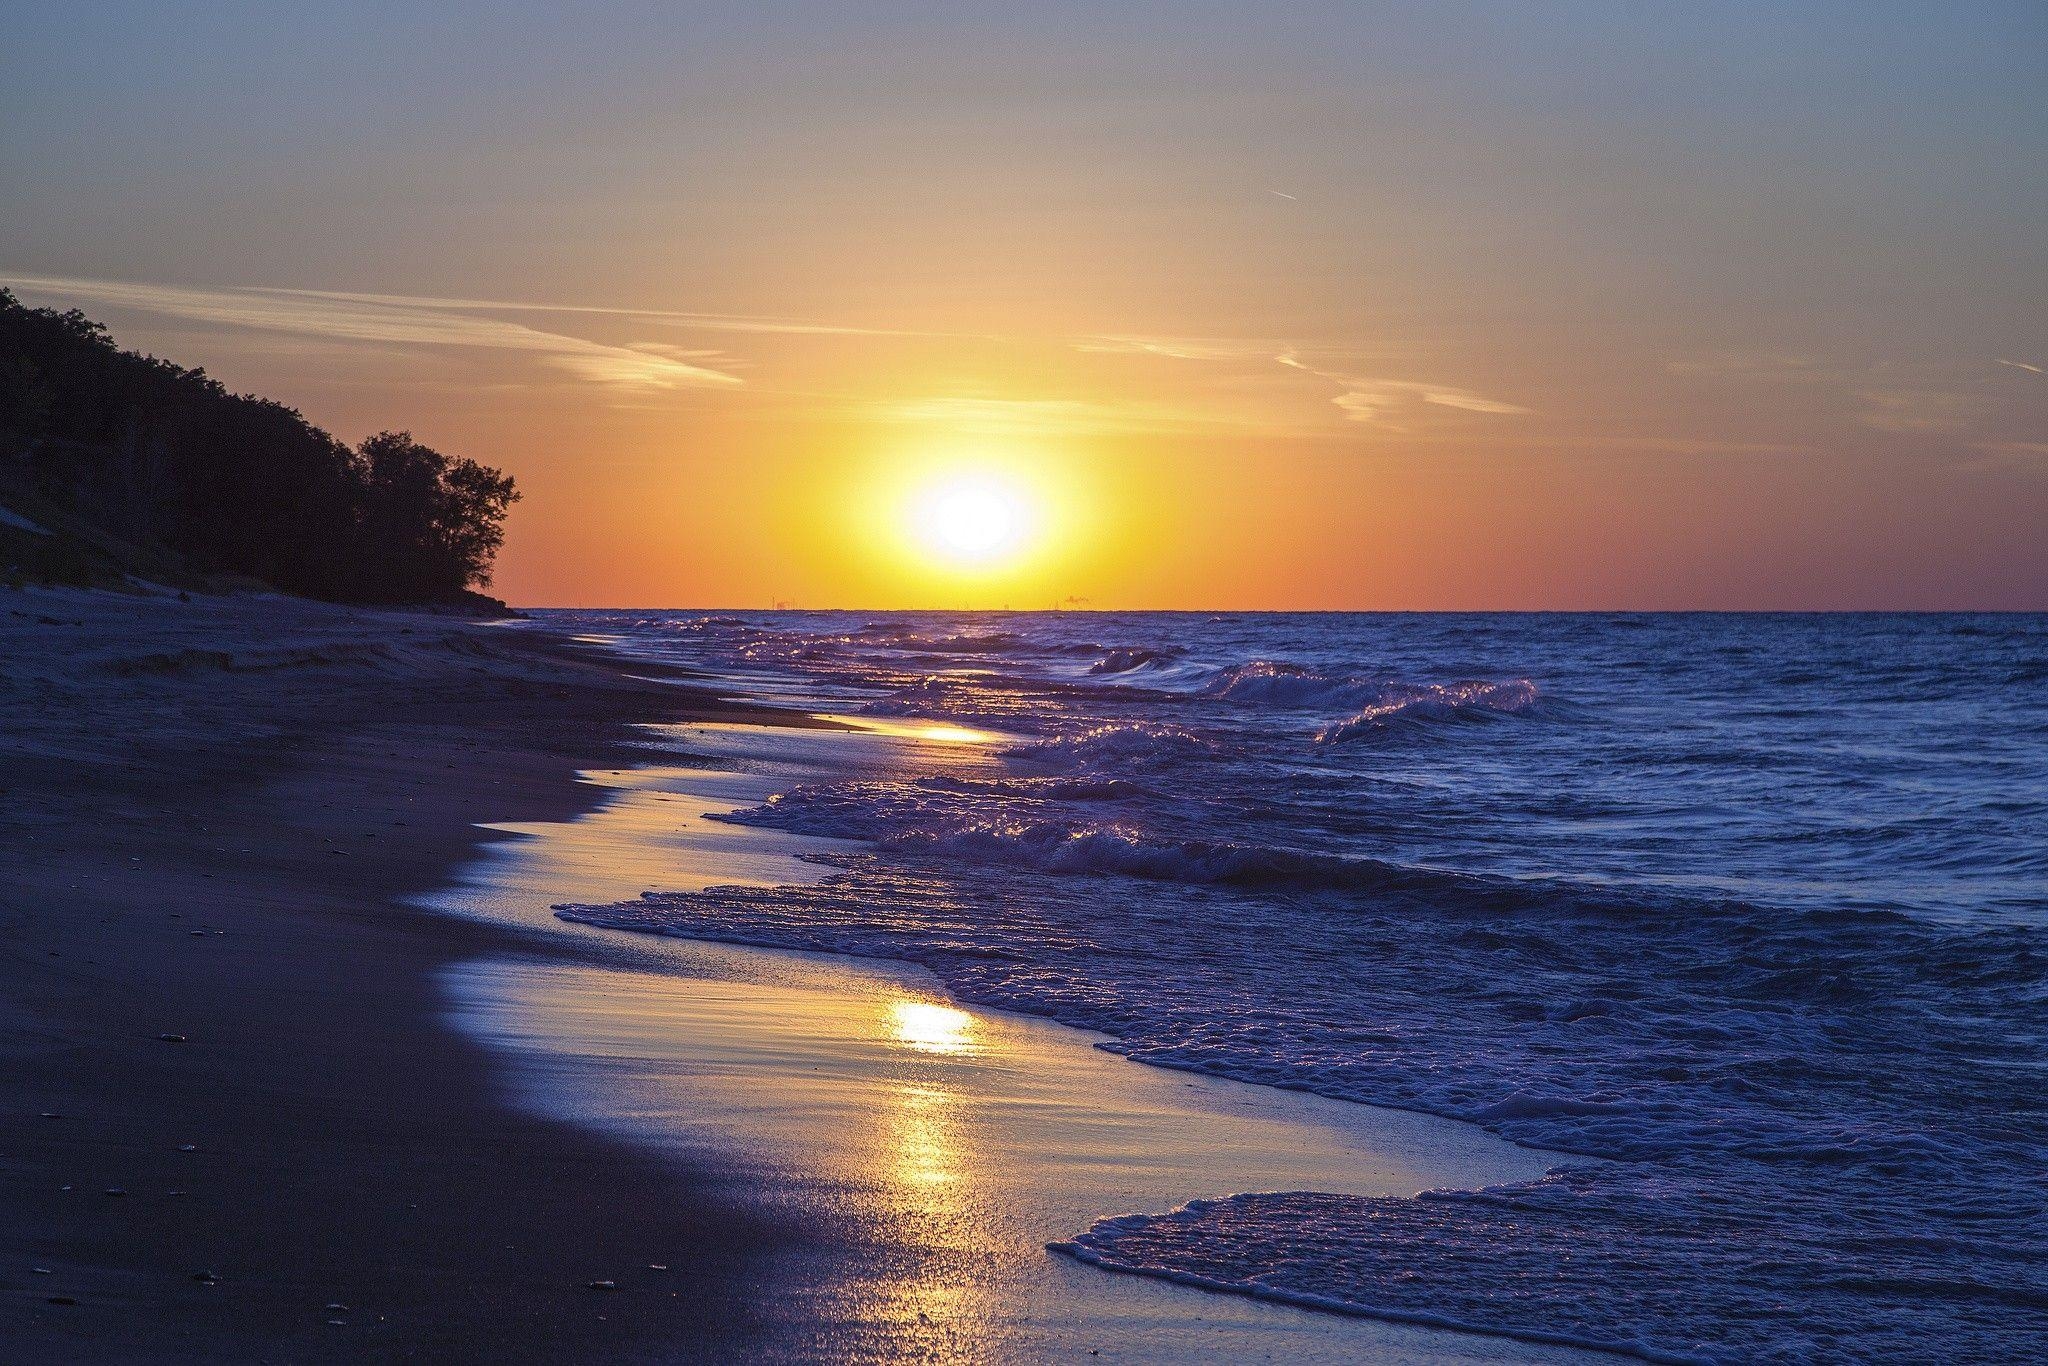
[1742, 916]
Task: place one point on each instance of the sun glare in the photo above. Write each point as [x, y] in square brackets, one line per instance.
[970, 520]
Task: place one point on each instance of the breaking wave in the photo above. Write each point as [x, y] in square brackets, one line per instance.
[1410, 705]
[1137, 744]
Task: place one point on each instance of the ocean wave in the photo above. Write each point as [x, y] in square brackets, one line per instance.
[1277, 683]
[1376, 704]
[1754, 1077]
[913, 640]
[1762, 1287]
[1126, 744]
[879, 811]
[1062, 847]
[944, 818]
[1123, 661]
[1402, 705]
[1803, 1121]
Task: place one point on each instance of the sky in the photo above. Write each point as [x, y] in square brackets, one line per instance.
[1348, 306]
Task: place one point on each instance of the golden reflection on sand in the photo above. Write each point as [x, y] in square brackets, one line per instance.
[957, 1143]
[930, 1028]
[921, 1131]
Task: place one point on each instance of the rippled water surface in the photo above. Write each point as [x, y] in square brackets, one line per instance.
[1747, 911]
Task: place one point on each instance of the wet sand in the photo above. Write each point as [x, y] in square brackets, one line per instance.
[929, 1151]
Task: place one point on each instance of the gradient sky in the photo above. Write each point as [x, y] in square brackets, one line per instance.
[1404, 306]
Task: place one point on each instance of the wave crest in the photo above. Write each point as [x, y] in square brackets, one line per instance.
[1123, 661]
[1404, 705]
[1124, 744]
[1058, 847]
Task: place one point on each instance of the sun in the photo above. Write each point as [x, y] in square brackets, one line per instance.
[970, 519]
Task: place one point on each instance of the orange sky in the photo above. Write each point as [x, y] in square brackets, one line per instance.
[1325, 310]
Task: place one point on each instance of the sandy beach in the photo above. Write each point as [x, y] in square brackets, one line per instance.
[302, 1066]
[230, 1105]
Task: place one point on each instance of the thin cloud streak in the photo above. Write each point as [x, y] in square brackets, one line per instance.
[1374, 400]
[1178, 348]
[1916, 411]
[2011, 457]
[1051, 416]
[717, 322]
[1755, 365]
[390, 321]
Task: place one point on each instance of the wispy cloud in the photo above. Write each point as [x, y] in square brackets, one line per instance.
[709, 322]
[388, 320]
[1665, 445]
[2012, 457]
[1930, 398]
[1365, 399]
[1376, 400]
[1756, 365]
[1051, 416]
[1180, 348]
[1916, 410]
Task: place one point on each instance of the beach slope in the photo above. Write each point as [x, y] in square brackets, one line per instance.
[232, 1124]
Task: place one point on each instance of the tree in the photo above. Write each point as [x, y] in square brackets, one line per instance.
[168, 458]
[431, 524]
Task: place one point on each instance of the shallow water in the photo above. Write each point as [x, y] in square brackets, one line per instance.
[1752, 906]
[923, 1154]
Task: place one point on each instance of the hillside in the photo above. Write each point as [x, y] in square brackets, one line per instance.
[115, 464]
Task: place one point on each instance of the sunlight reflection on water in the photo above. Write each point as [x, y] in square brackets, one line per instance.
[931, 1028]
[928, 1152]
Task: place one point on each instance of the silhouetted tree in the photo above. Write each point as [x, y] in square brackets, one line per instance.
[168, 457]
[431, 523]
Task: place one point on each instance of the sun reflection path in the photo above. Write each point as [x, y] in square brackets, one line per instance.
[934, 732]
[927, 1151]
[947, 734]
[930, 1028]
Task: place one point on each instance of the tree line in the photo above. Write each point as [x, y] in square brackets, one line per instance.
[167, 457]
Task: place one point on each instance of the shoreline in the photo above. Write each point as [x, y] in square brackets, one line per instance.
[249, 830]
[214, 977]
[937, 1152]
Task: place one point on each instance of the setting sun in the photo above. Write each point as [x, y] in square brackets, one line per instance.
[971, 519]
